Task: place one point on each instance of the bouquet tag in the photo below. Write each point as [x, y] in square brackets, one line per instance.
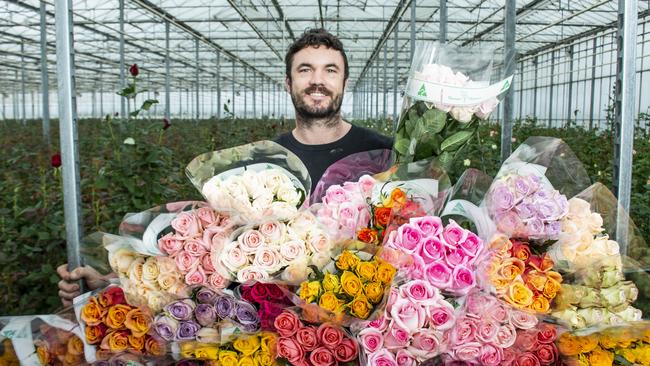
[433, 92]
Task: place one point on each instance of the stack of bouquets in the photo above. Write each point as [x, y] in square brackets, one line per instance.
[599, 294]
[524, 280]
[269, 299]
[302, 343]
[344, 209]
[246, 350]
[445, 98]
[446, 256]
[205, 317]
[350, 286]
[58, 347]
[525, 208]
[627, 344]
[411, 329]
[114, 326]
[275, 249]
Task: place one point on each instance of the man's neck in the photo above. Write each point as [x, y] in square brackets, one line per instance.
[319, 132]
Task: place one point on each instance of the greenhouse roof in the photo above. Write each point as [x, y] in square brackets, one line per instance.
[255, 34]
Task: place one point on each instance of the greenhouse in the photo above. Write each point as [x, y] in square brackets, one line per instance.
[337, 182]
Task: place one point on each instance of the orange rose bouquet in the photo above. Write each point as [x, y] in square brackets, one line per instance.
[114, 326]
[523, 279]
[58, 347]
[8, 355]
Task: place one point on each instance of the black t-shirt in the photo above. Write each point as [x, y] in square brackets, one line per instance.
[317, 158]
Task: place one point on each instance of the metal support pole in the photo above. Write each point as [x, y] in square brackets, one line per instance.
[101, 92]
[218, 85]
[167, 74]
[624, 108]
[384, 89]
[521, 90]
[93, 102]
[395, 52]
[254, 95]
[123, 100]
[377, 88]
[22, 82]
[550, 99]
[569, 111]
[443, 21]
[68, 129]
[413, 8]
[196, 77]
[232, 105]
[245, 92]
[45, 99]
[509, 63]
[33, 103]
[535, 87]
[273, 86]
[593, 85]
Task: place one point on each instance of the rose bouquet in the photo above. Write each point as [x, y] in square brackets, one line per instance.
[350, 285]
[151, 280]
[205, 317]
[8, 355]
[411, 328]
[344, 209]
[445, 99]
[197, 235]
[274, 249]
[114, 326]
[446, 256]
[269, 299]
[619, 345]
[246, 350]
[524, 280]
[302, 343]
[491, 333]
[58, 347]
[523, 207]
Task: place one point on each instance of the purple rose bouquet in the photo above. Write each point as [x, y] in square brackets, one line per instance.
[202, 317]
[522, 207]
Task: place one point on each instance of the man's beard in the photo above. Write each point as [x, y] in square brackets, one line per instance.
[310, 115]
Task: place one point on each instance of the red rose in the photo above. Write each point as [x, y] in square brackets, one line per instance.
[307, 338]
[547, 354]
[56, 160]
[347, 350]
[322, 357]
[259, 292]
[526, 359]
[245, 291]
[290, 349]
[275, 293]
[287, 324]
[546, 333]
[166, 124]
[267, 313]
[329, 335]
[111, 296]
[134, 70]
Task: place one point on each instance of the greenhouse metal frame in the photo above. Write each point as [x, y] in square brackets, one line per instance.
[573, 61]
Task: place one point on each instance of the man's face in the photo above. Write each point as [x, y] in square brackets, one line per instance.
[317, 82]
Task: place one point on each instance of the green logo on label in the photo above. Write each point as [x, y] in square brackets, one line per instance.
[9, 333]
[423, 91]
[506, 86]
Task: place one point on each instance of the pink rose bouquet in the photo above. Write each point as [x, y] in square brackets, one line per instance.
[445, 256]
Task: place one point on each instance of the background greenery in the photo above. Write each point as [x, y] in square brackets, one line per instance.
[117, 178]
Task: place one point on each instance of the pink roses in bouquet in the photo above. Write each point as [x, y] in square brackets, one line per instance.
[197, 234]
[305, 344]
[412, 327]
[445, 256]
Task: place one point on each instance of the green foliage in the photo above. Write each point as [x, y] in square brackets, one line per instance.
[115, 179]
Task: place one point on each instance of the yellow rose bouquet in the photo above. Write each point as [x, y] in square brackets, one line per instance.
[620, 345]
[246, 350]
[8, 355]
[350, 287]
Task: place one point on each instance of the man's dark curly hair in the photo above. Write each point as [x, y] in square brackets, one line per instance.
[315, 37]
